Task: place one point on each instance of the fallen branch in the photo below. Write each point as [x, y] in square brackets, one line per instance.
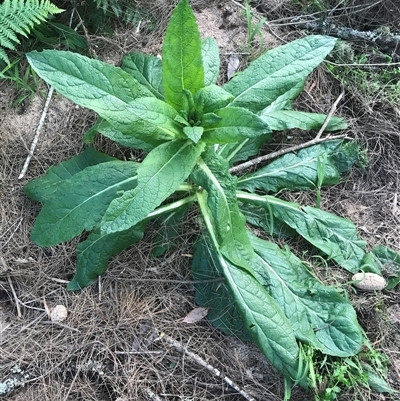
[37, 134]
[200, 361]
[281, 152]
[330, 115]
[389, 43]
[317, 139]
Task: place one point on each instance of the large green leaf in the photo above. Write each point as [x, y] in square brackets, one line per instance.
[148, 119]
[278, 71]
[211, 98]
[215, 296]
[235, 124]
[262, 317]
[333, 235]
[106, 129]
[212, 175]
[80, 202]
[94, 253]
[261, 217]
[299, 171]
[159, 175]
[147, 70]
[41, 188]
[285, 100]
[390, 263]
[182, 64]
[318, 314]
[90, 83]
[211, 61]
[289, 119]
[242, 150]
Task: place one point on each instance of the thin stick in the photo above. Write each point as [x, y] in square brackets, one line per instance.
[330, 114]
[37, 134]
[200, 361]
[281, 152]
[317, 139]
[17, 301]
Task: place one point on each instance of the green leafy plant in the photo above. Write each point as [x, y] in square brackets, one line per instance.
[193, 132]
[18, 17]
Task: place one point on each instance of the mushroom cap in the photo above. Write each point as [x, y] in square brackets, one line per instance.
[369, 281]
[58, 314]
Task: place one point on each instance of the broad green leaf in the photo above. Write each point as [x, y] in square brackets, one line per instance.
[289, 119]
[278, 71]
[147, 70]
[193, 133]
[222, 311]
[267, 324]
[182, 64]
[209, 119]
[210, 99]
[335, 236]
[284, 101]
[90, 83]
[41, 188]
[159, 175]
[148, 119]
[390, 264]
[106, 129]
[80, 202]
[94, 253]
[236, 124]
[318, 314]
[229, 223]
[211, 61]
[296, 171]
[261, 217]
[239, 151]
[351, 153]
[376, 381]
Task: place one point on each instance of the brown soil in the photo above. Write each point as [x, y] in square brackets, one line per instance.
[106, 349]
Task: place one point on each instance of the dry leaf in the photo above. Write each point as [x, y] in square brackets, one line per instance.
[233, 65]
[195, 315]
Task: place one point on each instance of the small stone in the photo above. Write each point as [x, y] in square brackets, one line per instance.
[58, 314]
[369, 281]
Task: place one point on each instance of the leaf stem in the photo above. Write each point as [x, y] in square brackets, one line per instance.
[170, 207]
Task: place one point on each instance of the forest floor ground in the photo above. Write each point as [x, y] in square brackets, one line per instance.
[107, 350]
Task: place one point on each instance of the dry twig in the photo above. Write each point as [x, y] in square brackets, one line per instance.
[200, 361]
[37, 134]
[17, 301]
[317, 139]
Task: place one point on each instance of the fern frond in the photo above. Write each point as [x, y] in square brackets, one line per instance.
[4, 57]
[19, 17]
